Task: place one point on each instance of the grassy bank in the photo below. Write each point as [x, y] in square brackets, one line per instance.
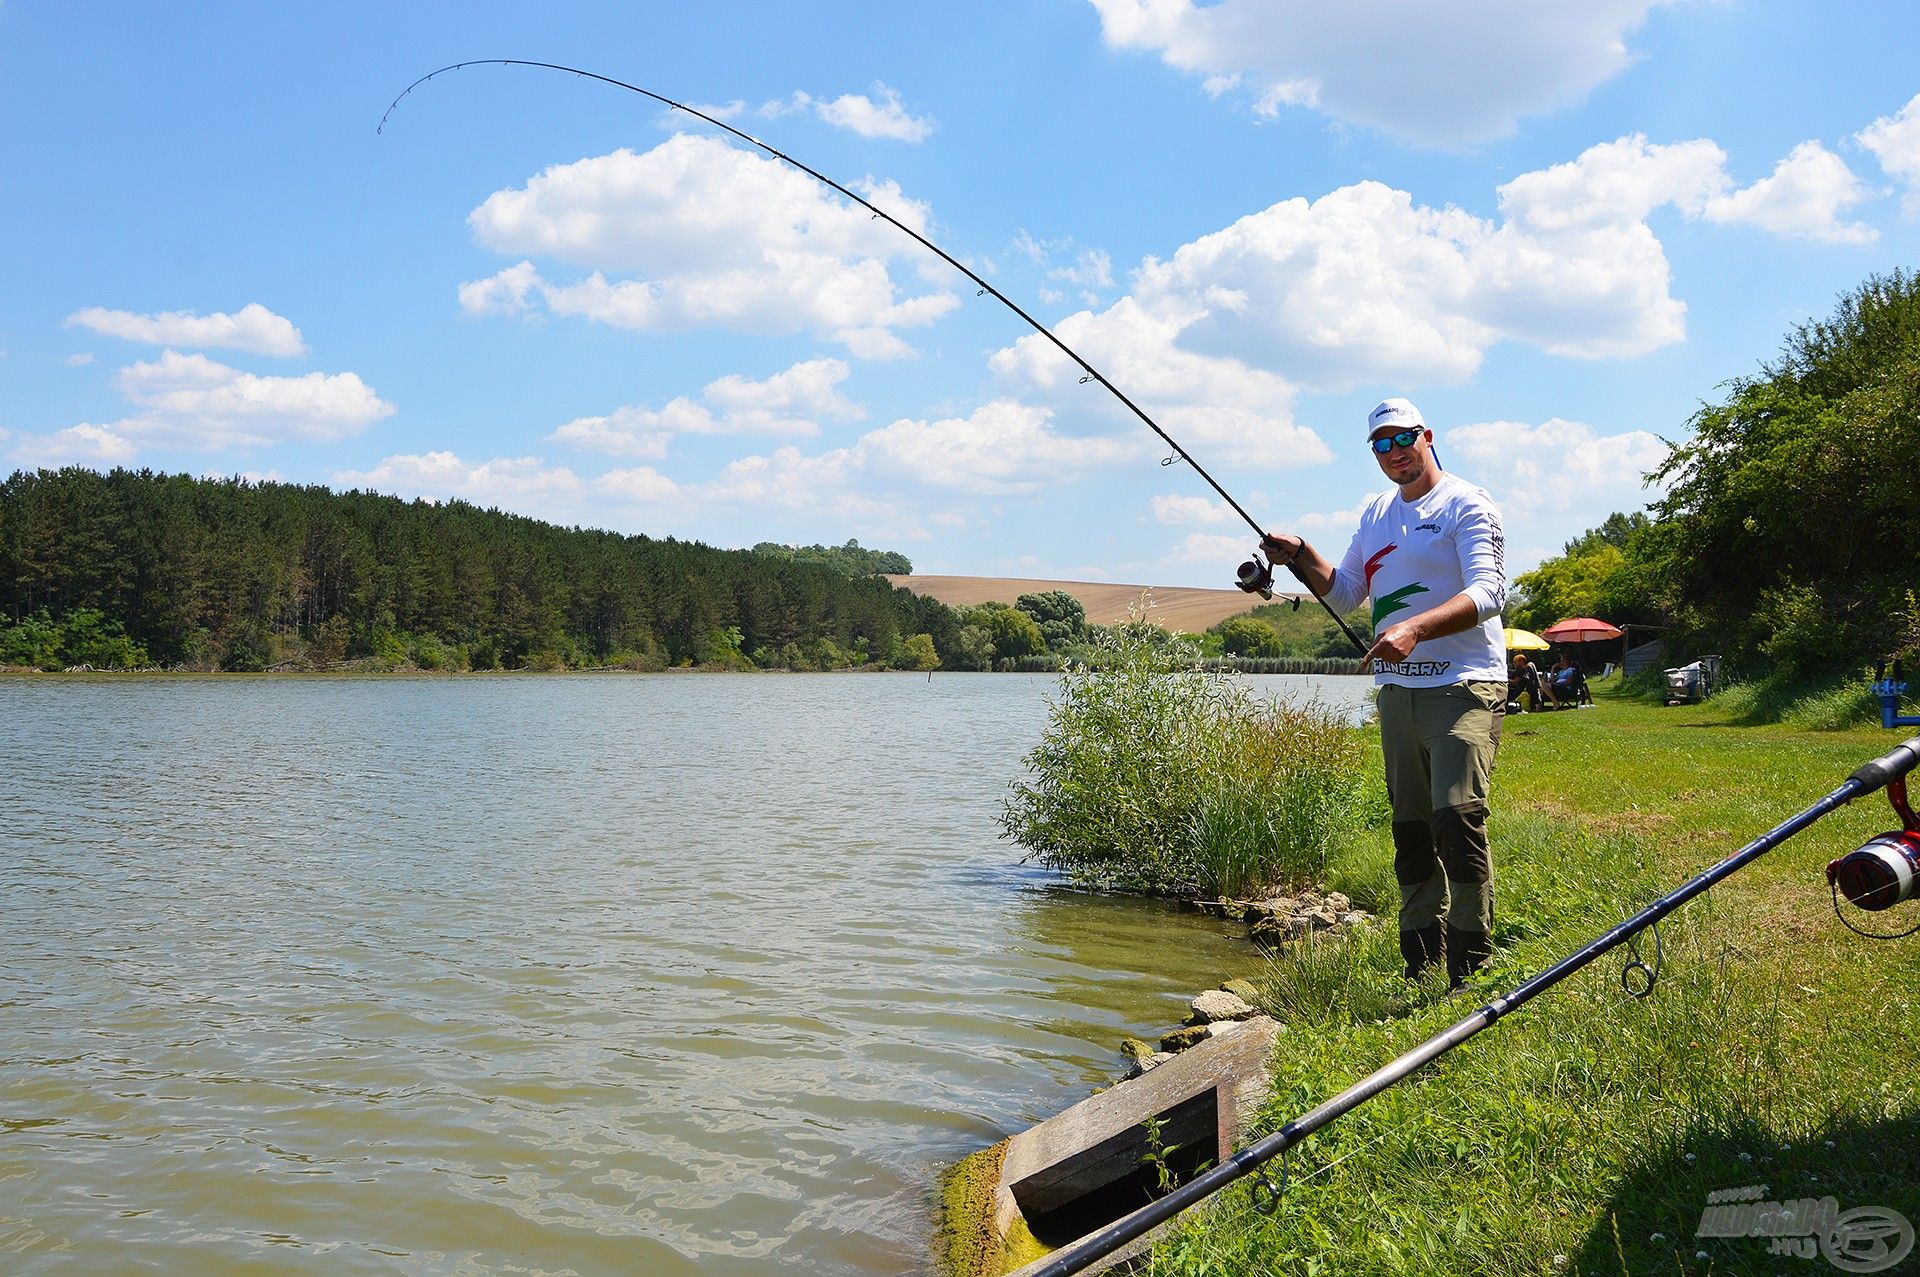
[1584, 1134]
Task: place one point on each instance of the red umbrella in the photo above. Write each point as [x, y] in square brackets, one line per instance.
[1579, 629]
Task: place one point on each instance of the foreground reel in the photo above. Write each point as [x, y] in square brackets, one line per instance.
[1883, 871]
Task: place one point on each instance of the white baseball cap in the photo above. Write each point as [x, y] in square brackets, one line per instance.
[1394, 414]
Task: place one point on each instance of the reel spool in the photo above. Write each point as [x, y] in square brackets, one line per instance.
[1256, 576]
[1883, 871]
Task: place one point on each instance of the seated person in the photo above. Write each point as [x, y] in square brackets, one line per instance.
[1567, 686]
[1523, 680]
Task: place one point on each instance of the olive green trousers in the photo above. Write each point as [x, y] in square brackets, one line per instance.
[1439, 745]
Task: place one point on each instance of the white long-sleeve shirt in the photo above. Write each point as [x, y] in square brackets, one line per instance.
[1409, 556]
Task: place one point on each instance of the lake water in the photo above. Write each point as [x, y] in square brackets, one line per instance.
[578, 974]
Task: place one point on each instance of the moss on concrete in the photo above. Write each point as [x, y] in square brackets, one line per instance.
[1020, 1247]
[966, 1245]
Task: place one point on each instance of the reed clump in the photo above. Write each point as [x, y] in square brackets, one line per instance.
[1157, 776]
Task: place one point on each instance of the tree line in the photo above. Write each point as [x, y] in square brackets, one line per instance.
[1788, 537]
[135, 568]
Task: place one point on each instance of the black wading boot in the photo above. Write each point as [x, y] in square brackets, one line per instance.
[1467, 952]
[1423, 948]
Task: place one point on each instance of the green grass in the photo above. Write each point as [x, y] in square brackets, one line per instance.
[1830, 704]
[1589, 1125]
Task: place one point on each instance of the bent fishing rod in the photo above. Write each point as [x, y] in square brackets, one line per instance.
[1885, 871]
[1261, 576]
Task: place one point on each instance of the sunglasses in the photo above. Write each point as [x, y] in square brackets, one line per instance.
[1387, 443]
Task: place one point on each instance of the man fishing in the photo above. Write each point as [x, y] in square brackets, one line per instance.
[1430, 554]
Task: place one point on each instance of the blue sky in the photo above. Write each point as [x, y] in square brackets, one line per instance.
[1557, 228]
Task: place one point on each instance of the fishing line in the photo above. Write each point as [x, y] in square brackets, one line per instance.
[988, 290]
[353, 235]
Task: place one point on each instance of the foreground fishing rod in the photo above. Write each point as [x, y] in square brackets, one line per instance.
[1254, 576]
[1883, 872]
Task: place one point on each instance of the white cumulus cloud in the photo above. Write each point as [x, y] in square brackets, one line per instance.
[1442, 75]
[1180, 511]
[192, 402]
[1210, 549]
[1894, 140]
[1804, 197]
[510, 292]
[83, 445]
[1366, 284]
[793, 480]
[1002, 447]
[1331, 528]
[880, 116]
[792, 402]
[1615, 183]
[699, 233]
[1557, 464]
[253, 328]
[1553, 480]
[890, 481]
[514, 482]
[641, 497]
[1208, 402]
[787, 400]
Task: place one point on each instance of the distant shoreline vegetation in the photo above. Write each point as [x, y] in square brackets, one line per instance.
[131, 570]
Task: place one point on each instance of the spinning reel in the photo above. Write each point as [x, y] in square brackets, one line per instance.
[1256, 577]
[1884, 870]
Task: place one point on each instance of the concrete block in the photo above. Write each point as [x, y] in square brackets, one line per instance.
[1082, 1169]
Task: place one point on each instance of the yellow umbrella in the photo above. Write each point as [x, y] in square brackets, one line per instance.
[1525, 641]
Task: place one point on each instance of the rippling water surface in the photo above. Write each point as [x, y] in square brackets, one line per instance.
[576, 974]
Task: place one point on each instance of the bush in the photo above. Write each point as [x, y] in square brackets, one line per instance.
[813, 656]
[85, 636]
[1156, 776]
[916, 652]
[645, 655]
[1245, 636]
[389, 650]
[429, 653]
[972, 649]
[720, 650]
[1012, 631]
[33, 640]
[1062, 619]
[249, 649]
